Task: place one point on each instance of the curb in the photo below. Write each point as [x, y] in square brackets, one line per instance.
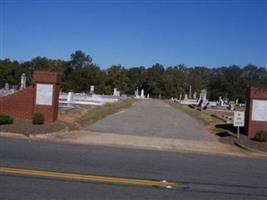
[13, 135]
[249, 148]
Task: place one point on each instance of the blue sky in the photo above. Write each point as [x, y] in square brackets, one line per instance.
[137, 33]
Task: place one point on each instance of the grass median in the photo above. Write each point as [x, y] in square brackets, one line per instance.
[201, 116]
[102, 111]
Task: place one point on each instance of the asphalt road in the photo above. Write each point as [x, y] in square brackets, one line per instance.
[153, 118]
[198, 176]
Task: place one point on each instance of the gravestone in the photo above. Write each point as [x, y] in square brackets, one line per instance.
[190, 92]
[180, 97]
[221, 102]
[136, 93]
[6, 87]
[195, 95]
[23, 81]
[256, 111]
[142, 93]
[185, 97]
[70, 97]
[92, 90]
[115, 92]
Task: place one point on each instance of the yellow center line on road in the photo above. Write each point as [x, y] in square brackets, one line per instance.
[88, 177]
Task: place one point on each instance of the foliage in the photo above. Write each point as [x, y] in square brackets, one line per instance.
[5, 119]
[80, 72]
[38, 118]
[261, 136]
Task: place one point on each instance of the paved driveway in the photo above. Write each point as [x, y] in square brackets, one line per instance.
[152, 118]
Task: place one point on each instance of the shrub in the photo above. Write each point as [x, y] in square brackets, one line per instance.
[261, 136]
[37, 118]
[5, 119]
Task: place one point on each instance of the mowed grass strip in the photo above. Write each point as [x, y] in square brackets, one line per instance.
[102, 111]
[201, 116]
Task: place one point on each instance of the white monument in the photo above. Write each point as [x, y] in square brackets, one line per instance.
[142, 93]
[6, 87]
[221, 102]
[92, 89]
[195, 95]
[115, 92]
[23, 81]
[136, 93]
[180, 97]
[70, 97]
[185, 97]
[190, 92]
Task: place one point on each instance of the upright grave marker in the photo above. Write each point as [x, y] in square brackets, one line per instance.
[256, 111]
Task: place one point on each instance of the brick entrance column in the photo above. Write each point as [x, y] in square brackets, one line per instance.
[46, 94]
[256, 111]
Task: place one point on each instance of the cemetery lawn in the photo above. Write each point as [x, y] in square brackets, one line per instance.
[201, 116]
[100, 112]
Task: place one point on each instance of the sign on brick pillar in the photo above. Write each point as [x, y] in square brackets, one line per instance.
[47, 87]
[256, 111]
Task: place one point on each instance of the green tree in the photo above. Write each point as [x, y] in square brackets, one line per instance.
[80, 60]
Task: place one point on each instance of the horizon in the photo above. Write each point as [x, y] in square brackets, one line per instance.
[134, 34]
[129, 67]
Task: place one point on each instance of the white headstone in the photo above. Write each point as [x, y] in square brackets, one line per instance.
[221, 101]
[6, 86]
[142, 93]
[195, 95]
[92, 89]
[23, 81]
[70, 97]
[147, 96]
[203, 95]
[115, 92]
[136, 93]
[185, 97]
[190, 92]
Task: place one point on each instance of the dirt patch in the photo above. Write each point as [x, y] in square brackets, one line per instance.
[72, 116]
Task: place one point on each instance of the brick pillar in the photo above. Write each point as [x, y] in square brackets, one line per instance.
[46, 94]
[256, 111]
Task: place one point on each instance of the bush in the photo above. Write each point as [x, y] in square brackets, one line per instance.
[261, 136]
[5, 119]
[38, 118]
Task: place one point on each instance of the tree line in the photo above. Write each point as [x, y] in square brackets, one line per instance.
[78, 73]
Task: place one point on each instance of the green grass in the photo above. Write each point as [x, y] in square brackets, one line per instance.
[100, 112]
[203, 117]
